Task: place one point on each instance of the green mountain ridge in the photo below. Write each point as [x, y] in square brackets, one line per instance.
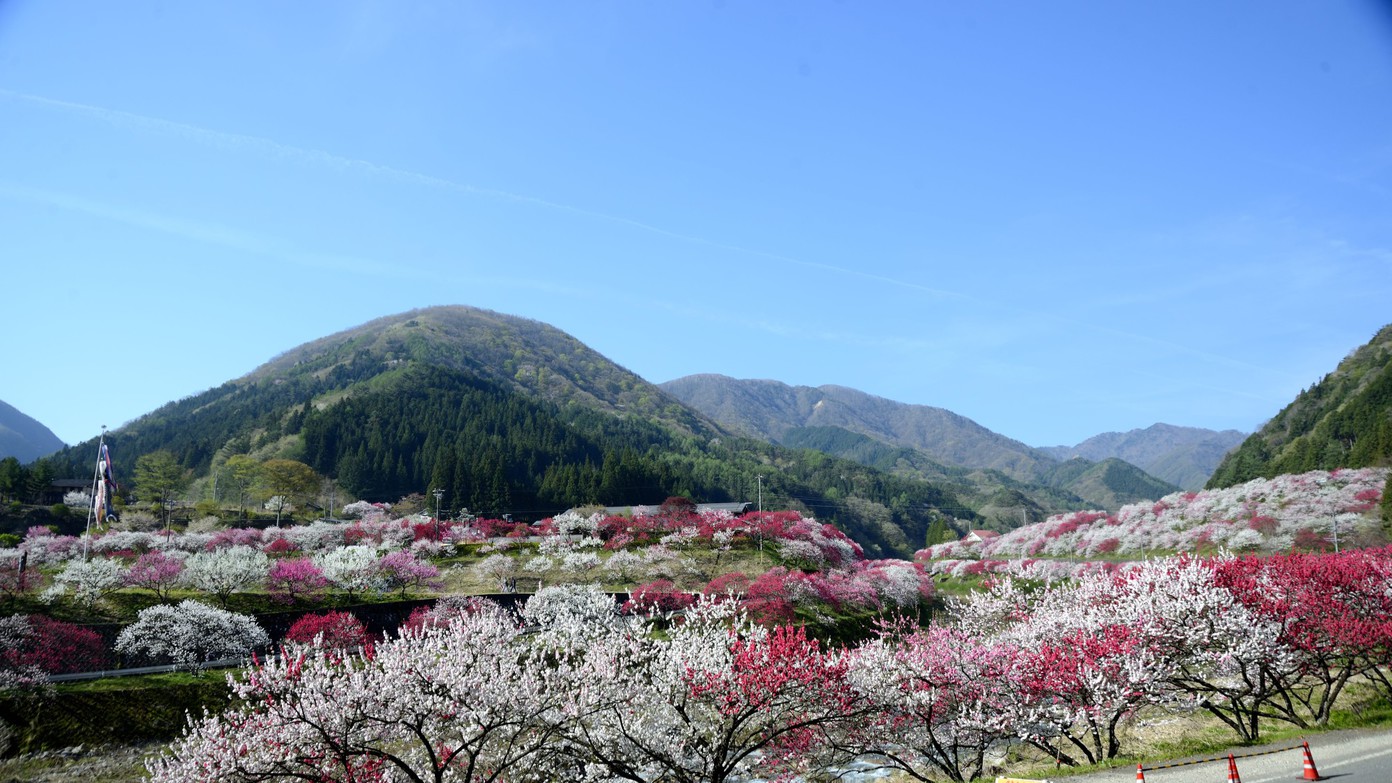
[505, 415]
[1343, 421]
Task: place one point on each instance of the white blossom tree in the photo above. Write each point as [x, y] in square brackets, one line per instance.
[498, 568]
[352, 569]
[191, 634]
[717, 699]
[89, 580]
[222, 572]
[463, 702]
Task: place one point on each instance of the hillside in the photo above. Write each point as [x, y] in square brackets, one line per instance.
[1110, 483]
[1343, 421]
[24, 438]
[1003, 479]
[1182, 456]
[1318, 510]
[505, 415]
[769, 409]
[527, 356]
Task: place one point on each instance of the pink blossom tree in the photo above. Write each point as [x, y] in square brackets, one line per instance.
[402, 571]
[293, 580]
[16, 581]
[155, 571]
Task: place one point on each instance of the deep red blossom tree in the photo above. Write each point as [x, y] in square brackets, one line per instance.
[58, 647]
[1334, 612]
[336, 630]
[660, 595]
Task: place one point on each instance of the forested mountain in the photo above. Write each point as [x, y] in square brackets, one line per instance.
[1344, 421]
[505, 415]
[1002, 478]
[24, 438]
[769, 409]
[999, 500]
[1183, 456]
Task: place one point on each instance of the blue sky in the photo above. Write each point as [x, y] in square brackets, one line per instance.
[1057, 219]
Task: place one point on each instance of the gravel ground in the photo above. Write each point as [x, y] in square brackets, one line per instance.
[90, 764]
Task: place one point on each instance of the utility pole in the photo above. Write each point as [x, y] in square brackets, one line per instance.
[438, 494]
[761, 519]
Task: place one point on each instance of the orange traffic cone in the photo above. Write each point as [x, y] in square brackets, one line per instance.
[1140, 774]
[1233, 777]
[1310, 772]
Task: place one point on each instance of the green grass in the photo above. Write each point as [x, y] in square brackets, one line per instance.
[125, 710]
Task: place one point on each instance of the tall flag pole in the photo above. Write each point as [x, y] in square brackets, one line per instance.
[101, 501]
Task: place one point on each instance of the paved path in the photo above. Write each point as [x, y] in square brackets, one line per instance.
[1350, 756]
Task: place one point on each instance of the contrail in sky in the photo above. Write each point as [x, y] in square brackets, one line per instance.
[305, 156]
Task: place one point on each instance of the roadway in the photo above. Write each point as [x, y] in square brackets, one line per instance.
[1346, 756]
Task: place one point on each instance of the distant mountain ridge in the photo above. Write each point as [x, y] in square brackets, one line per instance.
[1006, 476]
[24, 437]
[1183, 456]
[769, 409]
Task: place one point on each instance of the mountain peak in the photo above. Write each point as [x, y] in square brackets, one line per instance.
[1183, 456]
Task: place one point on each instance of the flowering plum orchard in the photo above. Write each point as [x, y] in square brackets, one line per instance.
[467, 695]
[1308, 510]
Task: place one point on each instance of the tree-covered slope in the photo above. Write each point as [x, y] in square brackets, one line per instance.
[1110, 484]
[770, 409]
[1344, 421]
[506, 416]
